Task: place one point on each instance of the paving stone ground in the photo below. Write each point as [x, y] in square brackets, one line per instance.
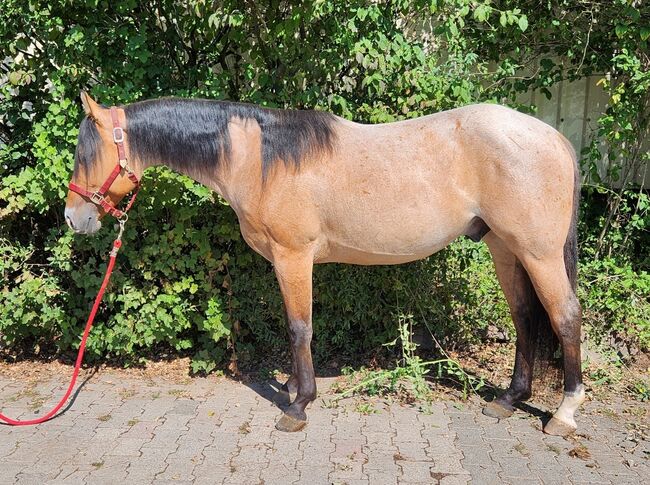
[208, 430]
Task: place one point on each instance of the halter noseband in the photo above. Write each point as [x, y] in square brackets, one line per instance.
[99, 196]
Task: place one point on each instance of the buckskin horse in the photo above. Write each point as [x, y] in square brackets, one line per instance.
[309, 187]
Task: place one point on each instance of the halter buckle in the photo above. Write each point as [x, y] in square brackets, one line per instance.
[97, 198]
[118, 134]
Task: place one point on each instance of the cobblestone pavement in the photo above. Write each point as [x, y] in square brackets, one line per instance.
[215, 430]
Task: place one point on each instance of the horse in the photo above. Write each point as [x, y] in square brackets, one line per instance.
[309, 187]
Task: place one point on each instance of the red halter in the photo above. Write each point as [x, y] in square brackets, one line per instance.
[99, 196]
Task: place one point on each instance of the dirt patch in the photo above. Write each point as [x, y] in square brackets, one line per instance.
[174, 370]
[603, 380]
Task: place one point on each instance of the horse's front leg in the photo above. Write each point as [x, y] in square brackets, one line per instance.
[294, 273]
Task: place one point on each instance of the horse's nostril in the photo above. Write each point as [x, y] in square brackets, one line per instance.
[69, 222]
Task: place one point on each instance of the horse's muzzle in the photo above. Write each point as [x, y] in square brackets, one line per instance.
[83, 219]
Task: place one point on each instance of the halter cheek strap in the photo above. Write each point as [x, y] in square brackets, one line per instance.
[99, 196]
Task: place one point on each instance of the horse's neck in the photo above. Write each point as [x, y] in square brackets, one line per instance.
[237, 179]
[237, 176]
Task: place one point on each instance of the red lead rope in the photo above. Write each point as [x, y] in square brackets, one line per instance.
[77, 366]
[98, 198]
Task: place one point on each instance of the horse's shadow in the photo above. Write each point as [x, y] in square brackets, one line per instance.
[490, 391]
[269, 390]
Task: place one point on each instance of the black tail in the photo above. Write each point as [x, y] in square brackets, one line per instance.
[547, 345]
[571, 244]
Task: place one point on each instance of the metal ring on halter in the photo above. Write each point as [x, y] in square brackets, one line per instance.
[122, 221]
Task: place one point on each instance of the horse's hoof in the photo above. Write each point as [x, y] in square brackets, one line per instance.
[290, 424]
[495, 409]
[556, 427]
[282, 399]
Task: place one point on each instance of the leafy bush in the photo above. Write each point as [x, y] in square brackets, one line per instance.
[186, 282]
[615, 299]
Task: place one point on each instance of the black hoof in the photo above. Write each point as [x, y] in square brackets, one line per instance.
[291, 424]
[498, 410]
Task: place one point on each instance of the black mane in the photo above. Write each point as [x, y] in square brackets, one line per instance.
[192, 135]
[89, 144]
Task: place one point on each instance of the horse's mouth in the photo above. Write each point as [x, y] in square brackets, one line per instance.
[90, 227]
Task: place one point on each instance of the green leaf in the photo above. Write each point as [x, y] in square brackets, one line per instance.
[644, 33]
[523, 23]
[482, 12]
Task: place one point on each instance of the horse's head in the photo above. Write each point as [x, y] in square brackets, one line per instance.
[101, 176]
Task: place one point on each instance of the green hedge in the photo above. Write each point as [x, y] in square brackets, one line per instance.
[186, 281]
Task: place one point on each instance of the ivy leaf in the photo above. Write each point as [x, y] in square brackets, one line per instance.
[453, 29]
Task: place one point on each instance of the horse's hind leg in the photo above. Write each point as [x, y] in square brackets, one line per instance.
[294, 273]
[525, 309]
[555, 291]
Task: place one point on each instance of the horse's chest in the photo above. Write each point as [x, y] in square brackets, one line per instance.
[256, 239]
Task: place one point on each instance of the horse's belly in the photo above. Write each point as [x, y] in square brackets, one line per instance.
[388, 245]
[350, 255]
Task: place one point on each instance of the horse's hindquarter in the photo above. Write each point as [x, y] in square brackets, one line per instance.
[526, 171]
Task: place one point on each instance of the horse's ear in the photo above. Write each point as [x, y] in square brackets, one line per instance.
[91, 108]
